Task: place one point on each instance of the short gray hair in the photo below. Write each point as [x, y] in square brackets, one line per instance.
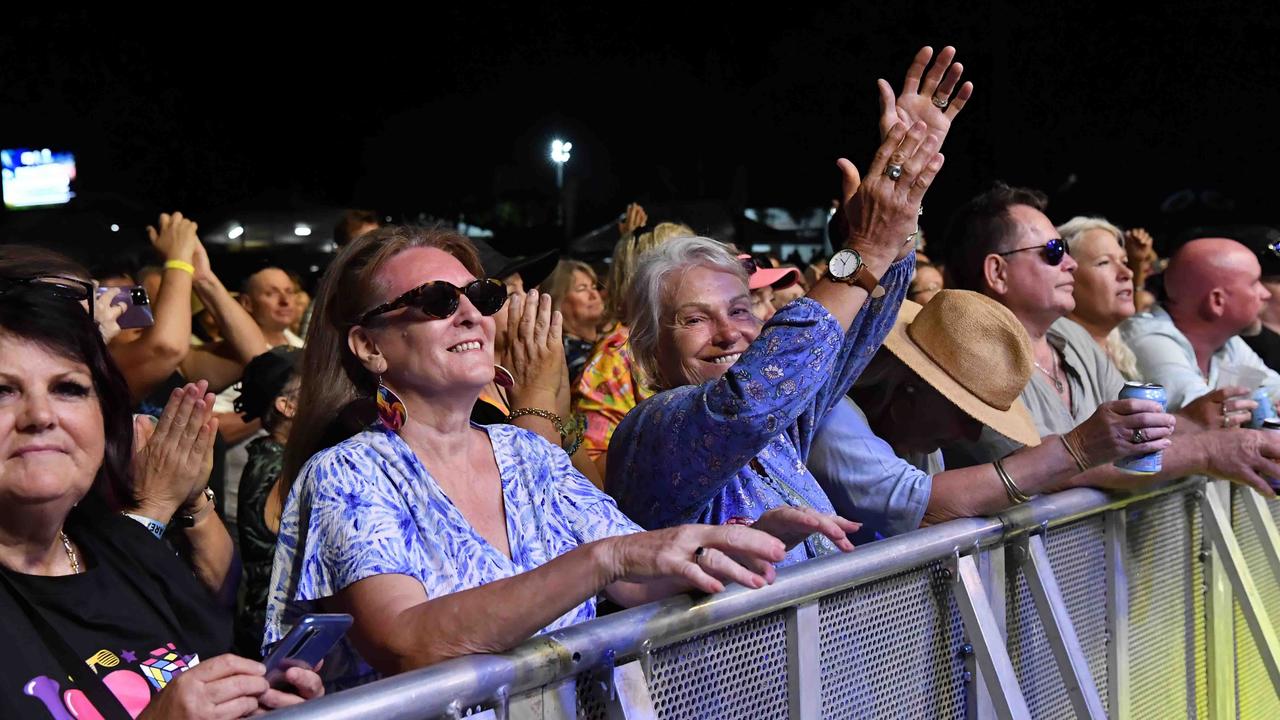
[645, 297]
[1075, 228]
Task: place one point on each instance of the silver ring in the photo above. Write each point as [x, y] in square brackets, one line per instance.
[940, 102]
[1138, 437]
[697, 555]
[893, 171]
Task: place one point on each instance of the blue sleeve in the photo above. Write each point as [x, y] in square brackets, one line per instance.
[353, 524]
[863, 477]
[865, 336]
[591, 514]
[679, 447]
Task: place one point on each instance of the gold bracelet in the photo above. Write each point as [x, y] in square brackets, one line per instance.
[182, 265]
[545, 415]
[1010, 488]
[1073, 449]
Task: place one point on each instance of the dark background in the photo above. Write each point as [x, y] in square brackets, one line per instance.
[1110, 108]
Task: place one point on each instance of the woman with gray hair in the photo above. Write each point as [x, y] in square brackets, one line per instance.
[725, 441]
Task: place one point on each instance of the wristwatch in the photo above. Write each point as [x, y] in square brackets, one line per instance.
[210, 502]
[847, 267]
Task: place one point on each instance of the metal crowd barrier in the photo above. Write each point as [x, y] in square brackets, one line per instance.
[1077, 604]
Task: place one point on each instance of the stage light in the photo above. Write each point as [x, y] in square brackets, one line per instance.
[235, 232]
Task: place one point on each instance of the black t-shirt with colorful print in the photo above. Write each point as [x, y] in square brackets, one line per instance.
[137, 616]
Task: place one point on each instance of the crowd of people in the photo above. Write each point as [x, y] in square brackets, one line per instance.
[444, 427]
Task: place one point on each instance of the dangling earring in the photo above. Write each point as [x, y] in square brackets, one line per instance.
[391, 410]
[503, 378]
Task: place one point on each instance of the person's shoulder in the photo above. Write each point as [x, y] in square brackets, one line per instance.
[358, 455]
[1072, 332]
[1153, 321]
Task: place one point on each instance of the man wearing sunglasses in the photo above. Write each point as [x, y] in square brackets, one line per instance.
[1002, 244]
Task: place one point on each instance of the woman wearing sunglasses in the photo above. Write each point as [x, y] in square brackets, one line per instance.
[441, 537]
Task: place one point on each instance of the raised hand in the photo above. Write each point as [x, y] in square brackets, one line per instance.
[927, 95]
[634, 217]
[176, 238]
[535, 350]
[880, 211]
[106, 313]
[1139, 248]
[172, 458]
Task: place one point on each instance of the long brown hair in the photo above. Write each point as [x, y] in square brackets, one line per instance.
[332, 376]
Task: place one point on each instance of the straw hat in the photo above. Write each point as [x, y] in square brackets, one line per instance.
[974, 352]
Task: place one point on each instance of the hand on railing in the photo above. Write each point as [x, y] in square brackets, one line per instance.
[1120, 428]
[1245, 457]
[792, 525]
[705, 556]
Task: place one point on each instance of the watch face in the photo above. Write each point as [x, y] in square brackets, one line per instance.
[844, 263]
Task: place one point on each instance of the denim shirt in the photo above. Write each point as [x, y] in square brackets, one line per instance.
[736, 447]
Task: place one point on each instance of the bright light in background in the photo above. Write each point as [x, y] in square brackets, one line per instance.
[235, 232]
[560, 151]
[115, 227]
[302, 230]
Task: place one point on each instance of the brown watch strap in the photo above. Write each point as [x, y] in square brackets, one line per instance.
[863, 278]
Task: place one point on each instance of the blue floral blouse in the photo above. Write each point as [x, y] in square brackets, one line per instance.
[737, 446]
[367, 506]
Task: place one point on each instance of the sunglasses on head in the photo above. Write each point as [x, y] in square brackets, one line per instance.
[73, 289]
[439, 299]
[1054, 251]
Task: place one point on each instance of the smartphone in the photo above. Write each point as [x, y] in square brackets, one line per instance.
[306, 644]
[137, 312]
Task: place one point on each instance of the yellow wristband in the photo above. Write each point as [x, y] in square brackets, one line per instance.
[182, 265]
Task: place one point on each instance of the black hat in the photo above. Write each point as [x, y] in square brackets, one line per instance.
[533, 269]
[264, 379]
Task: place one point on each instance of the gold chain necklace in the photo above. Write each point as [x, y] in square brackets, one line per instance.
[71, 553]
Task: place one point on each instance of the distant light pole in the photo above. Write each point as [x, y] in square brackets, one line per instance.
[560, 155]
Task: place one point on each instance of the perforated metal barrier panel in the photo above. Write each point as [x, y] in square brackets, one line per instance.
[737, 672]
[1077, 555]
[893, 649]
[1166, 610]
[1255, 697]
[896, 646]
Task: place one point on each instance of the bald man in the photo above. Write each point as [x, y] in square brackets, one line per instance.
[1214, 292]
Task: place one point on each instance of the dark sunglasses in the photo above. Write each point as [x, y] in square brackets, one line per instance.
[70, 288]
[1054, 251]
[439, 299]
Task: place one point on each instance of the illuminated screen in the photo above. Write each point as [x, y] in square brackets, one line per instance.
[35, 178]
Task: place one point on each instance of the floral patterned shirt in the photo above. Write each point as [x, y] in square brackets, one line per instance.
[737, 446]
[607, 390]
[367, 506]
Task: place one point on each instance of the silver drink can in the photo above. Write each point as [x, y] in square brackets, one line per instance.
[1264, 411]
[1151, 462]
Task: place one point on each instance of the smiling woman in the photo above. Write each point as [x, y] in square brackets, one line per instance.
[79, 582]
[422, 525]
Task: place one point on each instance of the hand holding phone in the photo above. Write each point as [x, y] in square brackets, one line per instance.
[306, 644]
[137, 313]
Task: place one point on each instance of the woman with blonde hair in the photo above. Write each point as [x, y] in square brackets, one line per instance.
[608, 389]
[1104, 286]
[575, 292]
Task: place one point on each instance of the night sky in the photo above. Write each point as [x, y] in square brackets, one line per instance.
[449, 111]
